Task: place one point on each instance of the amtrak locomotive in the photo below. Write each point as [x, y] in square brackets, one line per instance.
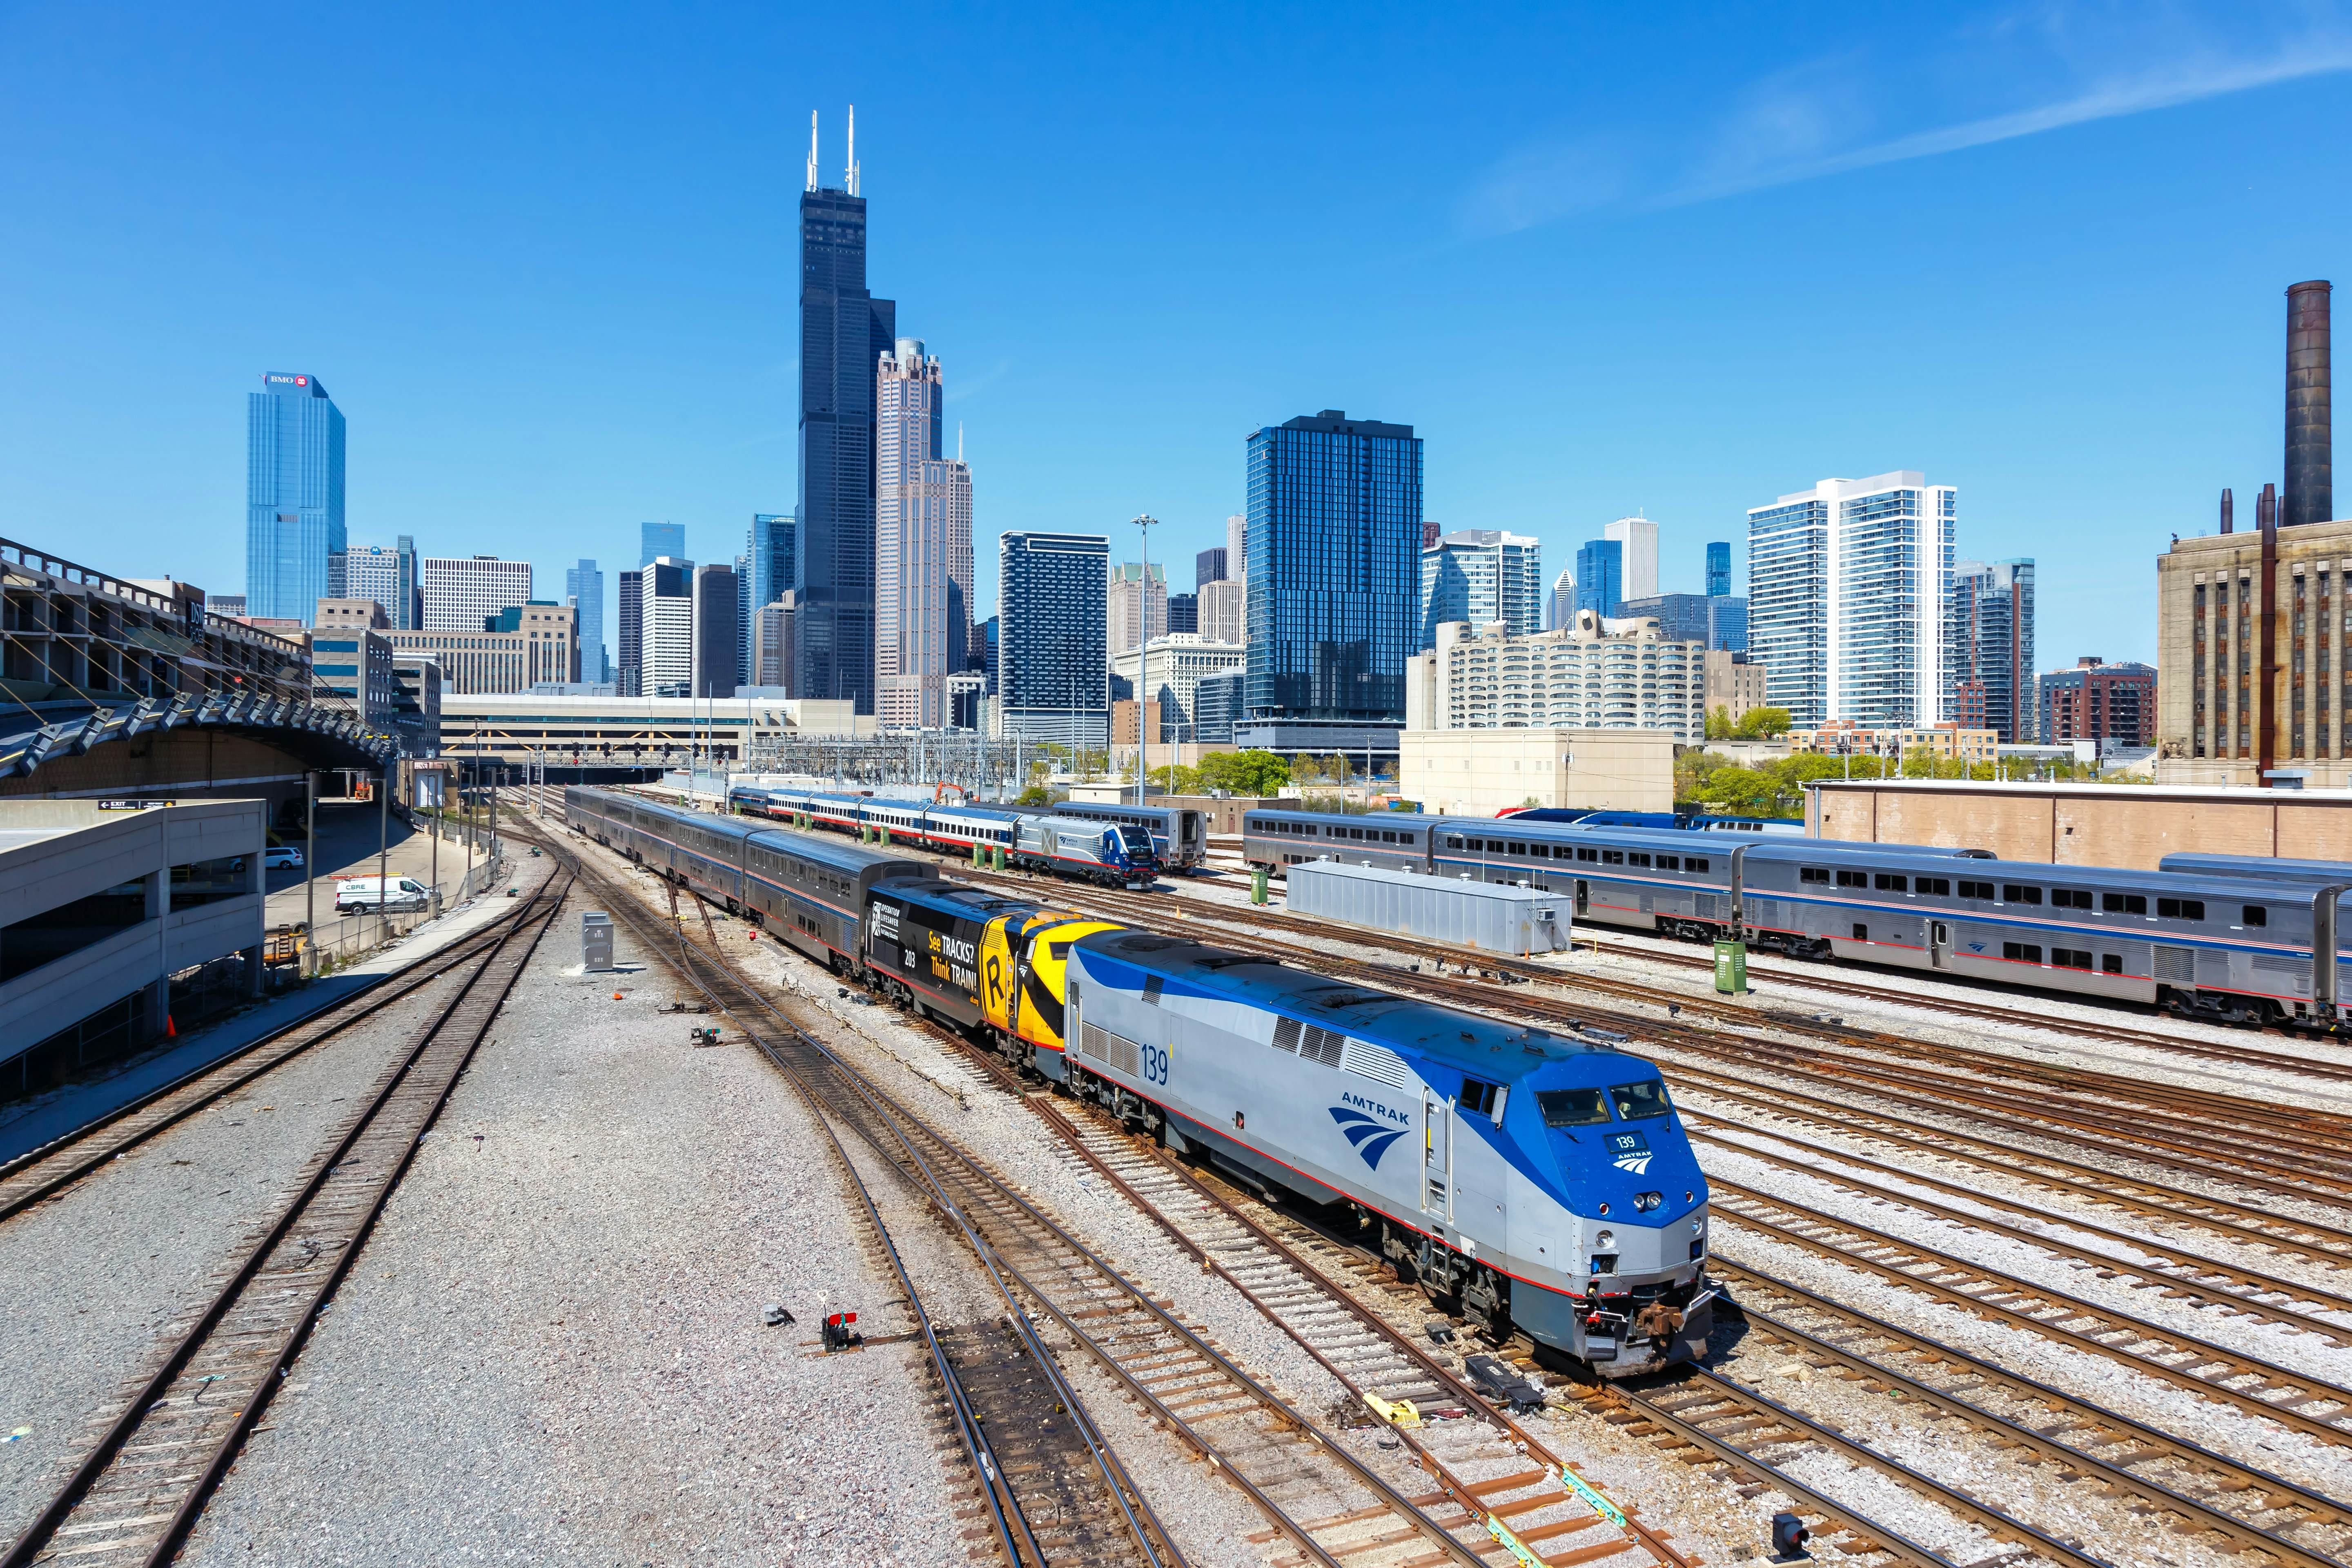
[2221, 937]
[1532, 1179]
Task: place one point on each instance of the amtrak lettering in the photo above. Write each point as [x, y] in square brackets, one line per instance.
[1377, 1109]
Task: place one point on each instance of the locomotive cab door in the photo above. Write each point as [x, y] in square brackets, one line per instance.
[1940, 944]
[1436, 1157]
[1583, 897]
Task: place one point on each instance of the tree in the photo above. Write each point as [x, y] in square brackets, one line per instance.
[1035, 794]
[1718, 723]
[1763, 723]
[1244, 773]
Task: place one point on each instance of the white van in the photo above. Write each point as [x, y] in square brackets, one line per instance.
[379, 894]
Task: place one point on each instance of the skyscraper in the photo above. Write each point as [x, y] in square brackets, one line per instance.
[1334, 546]
[1988, 649]
[1600, 576]
[1481, 575]
[655, 539]
[1184, 613]
[774, 548]
[1846, 589]
[666, 627]
[922, 537]
[1638, 535]
[1137, 606]
[1559, 606]
[1719, 569]
[461, 592]
[1053, 676]
[1237, 547]
[1221, 610]
[293, 496]
[584, 586]
[629, 677]
[845, 332]
[1716, 621]
[388, 577]
[1208, 566]
[718, 632]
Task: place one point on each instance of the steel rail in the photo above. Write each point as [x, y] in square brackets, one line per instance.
[987, 1183]
[2240, 1280]
[21, 1184]
[2206, 1351]
[1058, 1117]
[2325, 1512]
[1024, 1213]
[2238, 1221]
[111, 1442]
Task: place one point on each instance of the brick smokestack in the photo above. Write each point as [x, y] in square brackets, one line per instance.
[2310, 443]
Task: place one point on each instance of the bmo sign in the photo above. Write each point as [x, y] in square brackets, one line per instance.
[281, 378]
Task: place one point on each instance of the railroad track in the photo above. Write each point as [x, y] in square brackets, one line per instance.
[45, 1171]
[148, 1470]
[1330, 1503]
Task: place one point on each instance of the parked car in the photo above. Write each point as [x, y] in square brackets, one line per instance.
[272, 858]
[380, 894]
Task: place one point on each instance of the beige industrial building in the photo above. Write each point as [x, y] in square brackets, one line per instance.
[2083, 825]
[1734, 682]
[1477, 772]
[2209, 674]
[1594, 675]
[1947, 740]
[543, 646]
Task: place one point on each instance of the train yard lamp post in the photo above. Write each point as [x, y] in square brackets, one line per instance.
[309, 872]
[1143, 527]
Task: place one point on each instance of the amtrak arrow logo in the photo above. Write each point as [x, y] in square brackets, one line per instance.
[1632, 1153]
[1371, 1137]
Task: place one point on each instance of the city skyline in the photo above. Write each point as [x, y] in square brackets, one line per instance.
[1609, 245]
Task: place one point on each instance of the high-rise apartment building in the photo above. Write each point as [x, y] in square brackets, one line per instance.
[1846, 589]
[845, 331]
[627, 676]
[1639, 569]
[1334, 542]
[2097, 701]
[1719, 569]
[1583, 676]
[1481, 575]
[655, 539]
[461, 592]
[583, 587]
[1600, 576]
[1137, 605]
[922, 532]
[1560, 605]
[1208, 566]
[666, 628]
[293, 496]
[718, 646]
[1052, 678]
[1988, 649]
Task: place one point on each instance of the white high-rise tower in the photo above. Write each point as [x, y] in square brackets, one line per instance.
[922, 546]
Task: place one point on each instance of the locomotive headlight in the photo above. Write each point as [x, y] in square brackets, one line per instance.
[1606, 1239]
[1698, 1225]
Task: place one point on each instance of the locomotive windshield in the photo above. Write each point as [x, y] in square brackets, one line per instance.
[1571, 1107]
[1639, 1102]
[1137, 841]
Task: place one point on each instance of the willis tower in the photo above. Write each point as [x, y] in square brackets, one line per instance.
[845, 332]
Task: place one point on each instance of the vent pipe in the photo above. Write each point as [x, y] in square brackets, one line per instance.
[2226, 517]
[2310, 444]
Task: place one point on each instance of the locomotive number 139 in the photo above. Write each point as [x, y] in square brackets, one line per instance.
[1153, 1061]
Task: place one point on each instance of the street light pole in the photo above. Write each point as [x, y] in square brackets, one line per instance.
[309, 872]
[1143, 526]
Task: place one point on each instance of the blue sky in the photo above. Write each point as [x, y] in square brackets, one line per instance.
[1680, 262]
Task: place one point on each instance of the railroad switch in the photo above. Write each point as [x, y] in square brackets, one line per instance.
[708, 1036]
[841, 1332]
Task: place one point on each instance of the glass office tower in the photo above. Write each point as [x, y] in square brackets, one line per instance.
[655, 539]
[584, 585]
[1600, 576]
[1481, 575]
[1053, 669]
[1334, 555]
[1719, 569]
[844, 333]
[293, 496]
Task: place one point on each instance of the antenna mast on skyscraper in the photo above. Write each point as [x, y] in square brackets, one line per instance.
[811, 169]
[853, 149]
